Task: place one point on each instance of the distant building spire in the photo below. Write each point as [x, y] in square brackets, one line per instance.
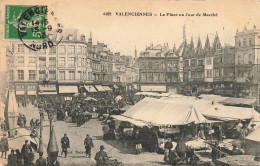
[174, 48]
[216, 44]
[207, 43]
[199, 45]
[191, 43]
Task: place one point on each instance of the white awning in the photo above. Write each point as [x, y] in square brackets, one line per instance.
[20, 92]
[68, 89]
[31, 92]
[48, 87]
[47, 93]
[153, 88]
[107, 88]
[116, 87]
[90, 88]
[100, 88]
[126, 119]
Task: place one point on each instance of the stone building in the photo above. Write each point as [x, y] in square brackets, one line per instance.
[247, 55]
[158, 69]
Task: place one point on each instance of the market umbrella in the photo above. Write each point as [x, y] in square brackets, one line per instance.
[90, 98]
[119, 98]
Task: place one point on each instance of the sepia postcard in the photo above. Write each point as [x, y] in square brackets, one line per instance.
[129, 82]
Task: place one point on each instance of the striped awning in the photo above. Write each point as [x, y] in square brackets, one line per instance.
[107, 88]
[100, 88]
[90, 88]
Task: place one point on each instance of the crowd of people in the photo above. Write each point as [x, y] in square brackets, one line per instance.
[17, 157]
[80, 109]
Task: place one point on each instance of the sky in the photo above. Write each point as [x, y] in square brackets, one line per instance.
[123, 33]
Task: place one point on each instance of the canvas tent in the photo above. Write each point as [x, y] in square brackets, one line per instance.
[221, 112]
[252, 145]
[214, 98]
[126, 107]
[160, 112]
[127, 119]
[238, 101]
[217, 111]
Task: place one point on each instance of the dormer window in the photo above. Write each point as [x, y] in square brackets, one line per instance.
[250, 41]
[244, 42]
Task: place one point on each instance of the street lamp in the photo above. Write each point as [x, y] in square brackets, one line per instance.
[40, 149]
[52, 149]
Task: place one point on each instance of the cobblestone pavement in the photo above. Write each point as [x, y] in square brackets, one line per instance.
[76, 156]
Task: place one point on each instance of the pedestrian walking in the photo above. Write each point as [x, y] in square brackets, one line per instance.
[32, 124]
[4, 146]
[26, 152]
[65, 144]
[41, 161]
[88, 145]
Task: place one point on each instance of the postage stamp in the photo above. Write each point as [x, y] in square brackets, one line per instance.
[25, 22]
[30, 25]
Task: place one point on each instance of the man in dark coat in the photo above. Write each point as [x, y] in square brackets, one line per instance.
[4, 146]
[101, 156]
[26, 152]
[65, 144]
[41, 161]
[88, 145]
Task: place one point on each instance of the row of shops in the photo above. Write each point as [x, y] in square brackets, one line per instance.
[34, 89]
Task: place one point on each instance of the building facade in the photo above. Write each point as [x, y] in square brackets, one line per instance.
[247, 54]
[158, 69]
[64, 67]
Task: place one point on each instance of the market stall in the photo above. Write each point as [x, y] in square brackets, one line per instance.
[252, 144]
[164, 113]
